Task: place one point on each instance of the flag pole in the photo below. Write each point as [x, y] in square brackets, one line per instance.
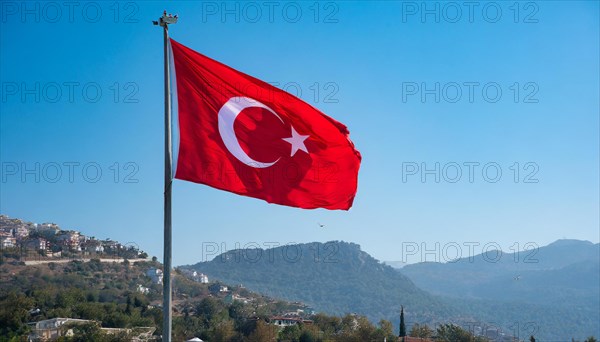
[164, 21]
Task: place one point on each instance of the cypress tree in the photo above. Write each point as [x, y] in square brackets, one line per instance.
[402, 325]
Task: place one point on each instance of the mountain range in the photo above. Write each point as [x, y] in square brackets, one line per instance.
[566, 272]
[554, 295]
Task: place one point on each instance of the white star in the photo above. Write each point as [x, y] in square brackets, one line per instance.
[297, 142]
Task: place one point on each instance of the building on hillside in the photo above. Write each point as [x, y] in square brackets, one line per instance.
[37, 244]
[298, 312]
[70, 239]
[232, 297]
[21, 232]
[413, 339]
[7, 222]
[155, 275]
[203, 278]
[136, 334]
[92, 246]
[111, 247]
[51, 329]
[6, 232]
[47, 228]
[286, 321]
[54, 328]
[196, 276]
[8, 242]
[216, 288]
[142, 289]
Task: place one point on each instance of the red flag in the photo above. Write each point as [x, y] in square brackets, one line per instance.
[242, 135]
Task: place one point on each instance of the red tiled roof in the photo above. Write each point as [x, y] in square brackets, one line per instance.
[414, 339]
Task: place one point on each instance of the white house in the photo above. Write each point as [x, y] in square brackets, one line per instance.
[8, 242]
[142, 289]
[284, 321]
[200, 277]
[48, 228]
[203, 278]
[156, 275]
[38, 244]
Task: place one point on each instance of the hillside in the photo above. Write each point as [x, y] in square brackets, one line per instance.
[29, 241]
[555, 285]
[345, 279]
[334, 277]
[104, 291]
[550, 292]
[565, 272]
[47, 272]
[121, 295]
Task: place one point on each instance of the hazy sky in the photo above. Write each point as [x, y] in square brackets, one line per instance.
[470, 87]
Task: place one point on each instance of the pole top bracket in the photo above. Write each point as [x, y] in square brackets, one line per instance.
[166, 19]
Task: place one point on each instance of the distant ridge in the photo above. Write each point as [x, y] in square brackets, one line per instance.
[564, 276]
[345, 279]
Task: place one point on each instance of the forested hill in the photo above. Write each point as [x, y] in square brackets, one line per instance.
[340, 278]
[334, 277]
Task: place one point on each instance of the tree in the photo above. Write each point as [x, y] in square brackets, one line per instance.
[263, 332]
[83, 332]
[591, 339]
[128, 307]
[421, 331]
[209, 308]
[224, 331]
[330, 325]
[365, 331]
[453, 333]
[290, 333]
[402, 325]
[14, 313]
[385, 331]
[307, 336]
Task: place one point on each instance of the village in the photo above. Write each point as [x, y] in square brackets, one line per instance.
[29, 244]
[27, 241]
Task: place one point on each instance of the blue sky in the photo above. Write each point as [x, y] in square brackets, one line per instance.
[82, 91]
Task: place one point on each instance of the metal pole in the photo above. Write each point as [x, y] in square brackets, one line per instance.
[167, 319]
[164, 21]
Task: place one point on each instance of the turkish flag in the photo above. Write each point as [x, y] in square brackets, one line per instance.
[242, 135]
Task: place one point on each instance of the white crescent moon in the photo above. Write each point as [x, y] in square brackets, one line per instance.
[227, 115]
